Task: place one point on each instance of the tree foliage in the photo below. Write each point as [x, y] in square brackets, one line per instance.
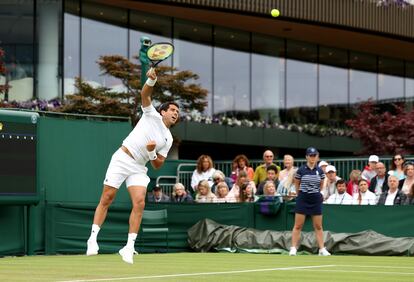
[383, 132]
[3, 70]
[172, 85]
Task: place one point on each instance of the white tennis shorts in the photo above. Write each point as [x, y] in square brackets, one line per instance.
[124, 168]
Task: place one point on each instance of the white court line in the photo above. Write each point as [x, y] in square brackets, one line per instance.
[361, 271]
[377, 266]
[203, 273]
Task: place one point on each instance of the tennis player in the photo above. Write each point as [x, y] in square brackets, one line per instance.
[150, 140]
[308, 182]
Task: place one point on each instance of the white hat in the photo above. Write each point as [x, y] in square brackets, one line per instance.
[330, 168]
[373, 158]
[322, 163]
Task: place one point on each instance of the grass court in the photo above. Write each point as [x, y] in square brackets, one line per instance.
[206, 267]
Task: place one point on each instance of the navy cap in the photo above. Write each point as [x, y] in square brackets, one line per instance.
[311, 151]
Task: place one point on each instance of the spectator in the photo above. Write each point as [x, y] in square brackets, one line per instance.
[260, 173]
[393, 196]
[203, 171]
[352, 186]
[323, 165]
[369, 171]
[242, 164]
[364, 196]
[409, 200]
[340, 197]
[288, 163]
[271, 176]
[329, 183]
[406, 183]
[286, 187]
[218, 176]
[397, 168]
[235, 189]
[179, 194]
[247, 192]
[379, 184]
[157, 196]
[204, 194]
[222, 194]
[269, 190]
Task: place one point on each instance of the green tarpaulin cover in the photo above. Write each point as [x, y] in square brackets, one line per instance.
[208, 235]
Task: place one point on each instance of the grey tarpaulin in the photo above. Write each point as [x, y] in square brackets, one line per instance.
[207, 235]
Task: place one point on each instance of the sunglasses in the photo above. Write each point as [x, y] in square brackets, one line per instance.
[397, 159]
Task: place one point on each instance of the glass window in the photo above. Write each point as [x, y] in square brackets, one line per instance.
[193, 52]
[390, 80]
[333, 84]
[71, 49]
[231, 72]
[409, 83]
[362, 77]
[16, 39]
[103, 33]
[301, 82]
[268, 69]
[49, 80]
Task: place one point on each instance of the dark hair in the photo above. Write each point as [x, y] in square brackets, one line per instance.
[166, 105]
[392, 164]
[200, 162]
[241, 157]
[362, 180]
[272, 167]
[340, 181]
[242, 196]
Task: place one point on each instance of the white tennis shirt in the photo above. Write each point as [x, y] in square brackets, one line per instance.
[149, 127]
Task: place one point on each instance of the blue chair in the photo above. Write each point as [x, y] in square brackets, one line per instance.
[154, 222]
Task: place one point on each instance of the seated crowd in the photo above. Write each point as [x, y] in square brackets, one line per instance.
[372, 185]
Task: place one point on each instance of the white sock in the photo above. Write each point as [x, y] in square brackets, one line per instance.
[94, 231]
[131, 240]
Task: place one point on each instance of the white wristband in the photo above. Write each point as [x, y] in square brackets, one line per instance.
[152, 155]
[151, 82]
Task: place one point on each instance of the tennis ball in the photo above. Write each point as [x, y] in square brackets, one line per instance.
[275, 13]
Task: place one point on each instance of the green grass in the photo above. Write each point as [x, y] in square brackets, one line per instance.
[111, 268]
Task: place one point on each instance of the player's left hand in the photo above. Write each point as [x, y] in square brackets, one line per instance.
[151, 146]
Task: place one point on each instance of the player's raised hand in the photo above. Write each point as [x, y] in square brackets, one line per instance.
[151, 146]
[152, 74]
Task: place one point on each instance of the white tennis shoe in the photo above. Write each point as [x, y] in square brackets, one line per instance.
[127, 254]
[292, 251]
[324, 252]
[93, 248]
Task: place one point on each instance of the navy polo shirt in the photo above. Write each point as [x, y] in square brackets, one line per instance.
[310, 179]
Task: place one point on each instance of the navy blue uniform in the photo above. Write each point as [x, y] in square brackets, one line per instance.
[309, 201]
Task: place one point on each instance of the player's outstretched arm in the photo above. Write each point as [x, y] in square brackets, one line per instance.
[148, 87]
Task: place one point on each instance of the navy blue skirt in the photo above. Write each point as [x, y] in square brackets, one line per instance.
[309, 203]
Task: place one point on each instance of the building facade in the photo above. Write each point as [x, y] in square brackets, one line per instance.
[311, 65]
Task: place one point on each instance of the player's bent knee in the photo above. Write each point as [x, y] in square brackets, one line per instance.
[138, 204]
[298, 226]
[317, 226]
[108, 195]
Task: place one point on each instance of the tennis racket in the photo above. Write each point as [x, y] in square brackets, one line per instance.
[158, 52]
